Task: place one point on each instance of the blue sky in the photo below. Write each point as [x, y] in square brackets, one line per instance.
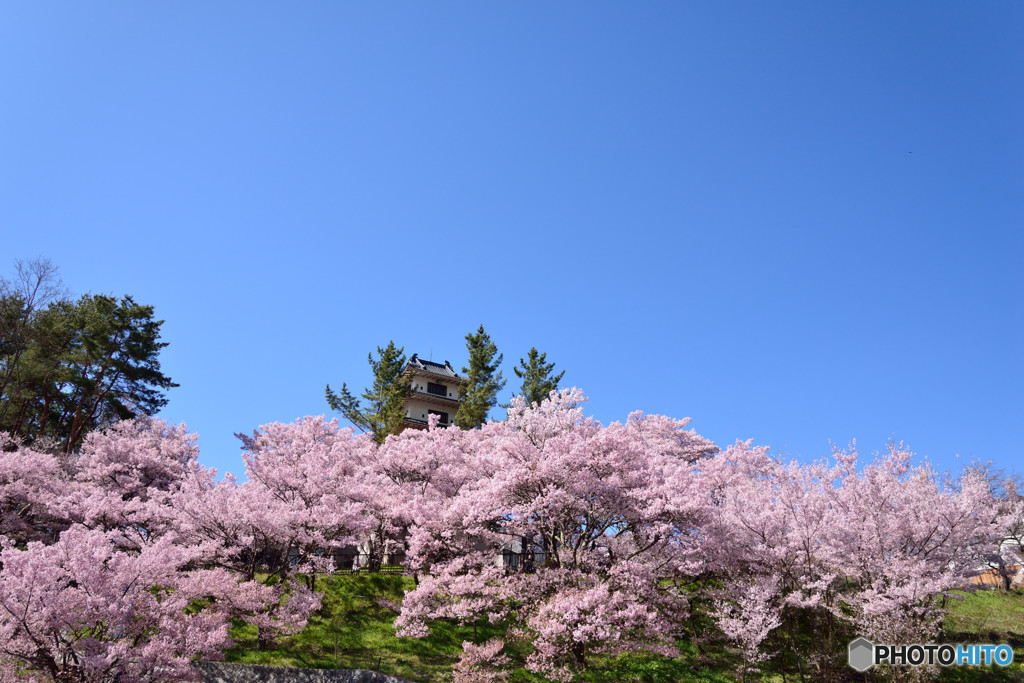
[793, 223]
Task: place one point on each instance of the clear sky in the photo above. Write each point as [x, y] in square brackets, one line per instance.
[793, 222]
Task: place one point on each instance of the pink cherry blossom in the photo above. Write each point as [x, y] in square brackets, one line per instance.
[81, 609]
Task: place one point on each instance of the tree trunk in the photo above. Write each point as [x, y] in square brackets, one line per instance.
[263, 639]
[579, 654]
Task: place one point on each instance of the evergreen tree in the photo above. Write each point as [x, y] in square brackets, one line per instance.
[385, 399]
[538, 381]
[69, 367]
[480, 393]
[22, 301]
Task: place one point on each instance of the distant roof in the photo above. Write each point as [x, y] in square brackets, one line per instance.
[443, 369]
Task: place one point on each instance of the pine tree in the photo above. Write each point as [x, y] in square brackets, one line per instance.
[480, 393]
[385, 399]
[70, 367]
[538, 381]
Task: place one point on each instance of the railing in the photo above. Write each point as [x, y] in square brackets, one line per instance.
[364, 563]
[351, 561]
[418, 421]
[431, 394]
[527, 561]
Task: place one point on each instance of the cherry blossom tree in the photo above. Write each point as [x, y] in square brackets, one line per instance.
[306, 476]
[107, 597]
[616, 517]
[30, 484]
[482, 663]
[126, 476]
[84, 610]
[610, 511]
[840, 550]
[411, 482]
[284, 520]
[130, 559]
[911, 540]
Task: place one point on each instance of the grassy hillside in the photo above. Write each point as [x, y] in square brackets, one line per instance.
[354, 630]
[988, 617]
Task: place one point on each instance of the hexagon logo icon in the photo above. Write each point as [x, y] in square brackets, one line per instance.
[861, 654]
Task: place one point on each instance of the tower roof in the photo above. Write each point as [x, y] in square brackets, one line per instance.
[441, 369]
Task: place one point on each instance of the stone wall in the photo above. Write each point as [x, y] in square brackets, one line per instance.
[218, 672]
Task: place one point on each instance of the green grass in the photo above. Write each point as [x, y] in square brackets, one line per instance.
[354, 630]
[987, 616]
